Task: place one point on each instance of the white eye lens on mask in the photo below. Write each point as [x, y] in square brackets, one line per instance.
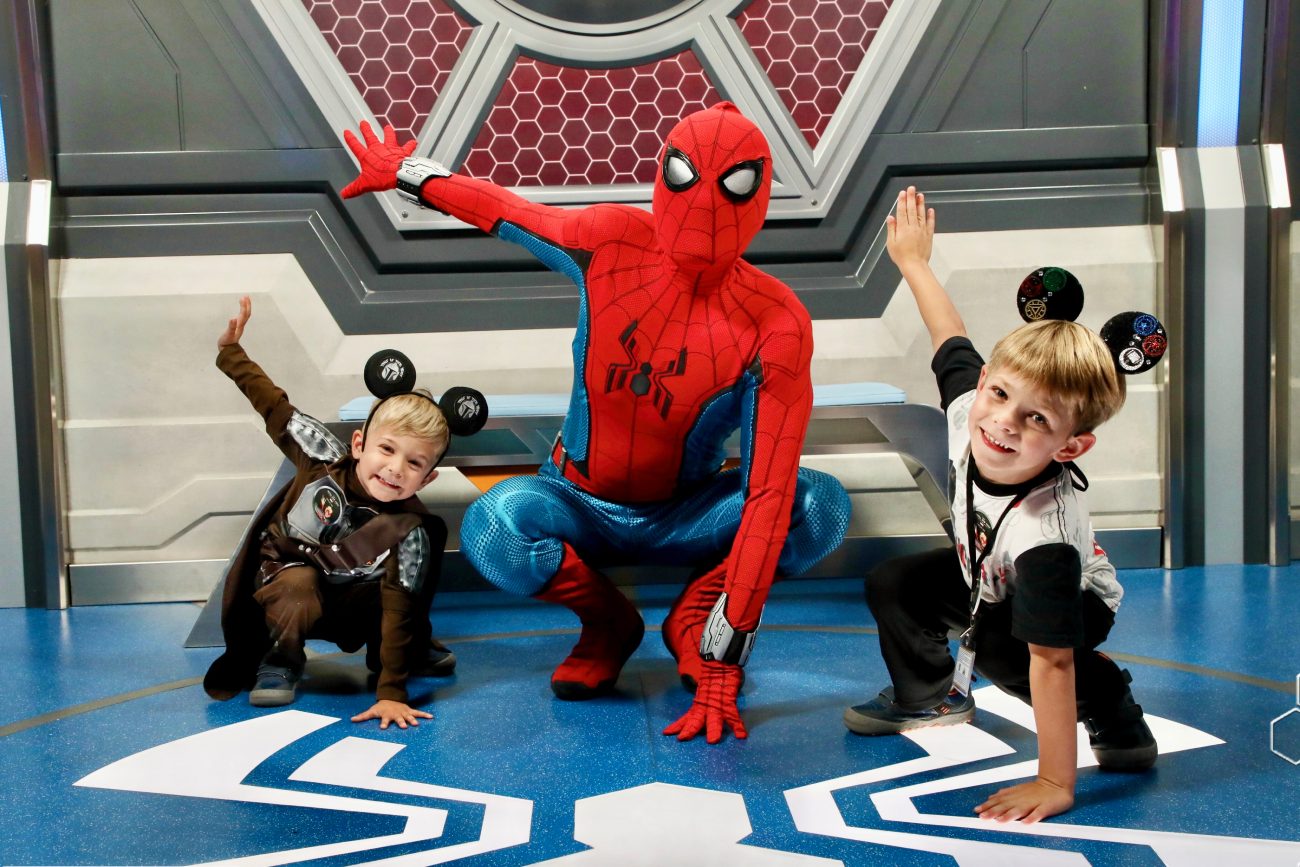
[679, 174]
[742, 181]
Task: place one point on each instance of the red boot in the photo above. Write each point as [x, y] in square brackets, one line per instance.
[611, 629]
[685, 622]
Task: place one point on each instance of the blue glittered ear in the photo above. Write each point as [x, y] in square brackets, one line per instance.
[1136, 339]
[465, 408]
[1050, 293]
[389, 372]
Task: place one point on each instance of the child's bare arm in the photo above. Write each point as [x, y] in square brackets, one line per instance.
[910, 237]
[1051, 683]
[235, 327]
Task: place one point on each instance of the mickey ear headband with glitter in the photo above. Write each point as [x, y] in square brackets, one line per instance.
[1136, 340]
[389, 373]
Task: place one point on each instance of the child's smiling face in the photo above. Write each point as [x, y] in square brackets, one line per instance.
[1017, 428]
[393, 466]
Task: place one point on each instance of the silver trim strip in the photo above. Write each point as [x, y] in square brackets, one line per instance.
[38, 213]
[1171, 185]
[1224, 313]
[164, 581]
[1275, 179]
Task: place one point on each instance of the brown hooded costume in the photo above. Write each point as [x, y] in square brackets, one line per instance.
[322, 559]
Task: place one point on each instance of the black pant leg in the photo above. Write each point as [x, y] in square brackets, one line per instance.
[1100, 686]
[1000, 657]
[916, 599]
[1003, 659]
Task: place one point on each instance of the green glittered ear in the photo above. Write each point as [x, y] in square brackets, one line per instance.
[1050, 293]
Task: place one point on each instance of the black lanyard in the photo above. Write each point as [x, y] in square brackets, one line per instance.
[976, 562]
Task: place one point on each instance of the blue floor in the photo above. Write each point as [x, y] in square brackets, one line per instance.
[113, 755]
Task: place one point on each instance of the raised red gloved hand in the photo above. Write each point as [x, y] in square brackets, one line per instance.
[714, 706]
[379, 160]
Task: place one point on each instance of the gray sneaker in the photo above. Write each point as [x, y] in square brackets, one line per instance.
[882, 716]
[275, 686]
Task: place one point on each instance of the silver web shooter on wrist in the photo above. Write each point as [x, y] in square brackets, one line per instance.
[721, 641]
[412, 174]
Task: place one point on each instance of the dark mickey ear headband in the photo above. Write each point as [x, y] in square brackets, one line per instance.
[389, 373]
[1136, 340]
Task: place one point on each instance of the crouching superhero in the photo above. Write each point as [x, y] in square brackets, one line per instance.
[345, 551]
[679, 343]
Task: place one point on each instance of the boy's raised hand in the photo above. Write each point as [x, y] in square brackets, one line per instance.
[235, 327]
[910, 229]
[380, 160]
[388, 711]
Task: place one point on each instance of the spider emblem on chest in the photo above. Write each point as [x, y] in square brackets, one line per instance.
[640, 377]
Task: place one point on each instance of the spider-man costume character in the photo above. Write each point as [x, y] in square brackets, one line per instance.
[679, 343]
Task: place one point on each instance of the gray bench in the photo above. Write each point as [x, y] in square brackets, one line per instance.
[849, 418]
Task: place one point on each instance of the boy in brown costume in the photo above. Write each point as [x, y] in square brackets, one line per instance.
[345, 552]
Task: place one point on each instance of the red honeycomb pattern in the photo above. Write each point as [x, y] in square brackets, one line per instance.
[559, 125]
[398, 53]
[810, 50]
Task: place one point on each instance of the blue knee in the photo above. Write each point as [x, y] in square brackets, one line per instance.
[500, 549]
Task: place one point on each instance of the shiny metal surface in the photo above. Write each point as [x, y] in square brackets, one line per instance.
[1272, 134]
[1167, 36]
[44, 553]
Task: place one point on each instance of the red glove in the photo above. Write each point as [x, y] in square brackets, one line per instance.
[715, 704]
[379, 160]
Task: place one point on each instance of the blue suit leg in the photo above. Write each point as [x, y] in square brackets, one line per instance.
[703, 526]
[514, 534]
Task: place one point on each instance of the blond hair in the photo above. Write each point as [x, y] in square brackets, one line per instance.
[413, 414]
[1070, 362]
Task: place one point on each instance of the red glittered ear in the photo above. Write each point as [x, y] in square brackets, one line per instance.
[1050, 293]
[389, 372]
[1136, 339]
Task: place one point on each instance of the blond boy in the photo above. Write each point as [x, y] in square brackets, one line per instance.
[345, 552]
[1046, 594]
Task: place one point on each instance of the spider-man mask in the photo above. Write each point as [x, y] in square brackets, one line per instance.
[711, 193]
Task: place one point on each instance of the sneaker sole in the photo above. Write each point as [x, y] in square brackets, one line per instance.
[271, 697]
[1131, 760]
[570, 690]
[861, 724]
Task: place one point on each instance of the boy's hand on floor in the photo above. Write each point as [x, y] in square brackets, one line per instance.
[235, 327]
[1027, 802]
[387, 711]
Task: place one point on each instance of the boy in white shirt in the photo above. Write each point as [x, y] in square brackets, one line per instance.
[1047, 595]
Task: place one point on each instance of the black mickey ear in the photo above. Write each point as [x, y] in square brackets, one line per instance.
[1050, 293]
[1137, 340]
[466, 410]
[389, 372]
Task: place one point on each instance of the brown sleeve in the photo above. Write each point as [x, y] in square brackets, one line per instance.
[270, 401]
[397, 634]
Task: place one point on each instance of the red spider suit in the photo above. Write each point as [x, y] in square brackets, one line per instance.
[679, 343]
